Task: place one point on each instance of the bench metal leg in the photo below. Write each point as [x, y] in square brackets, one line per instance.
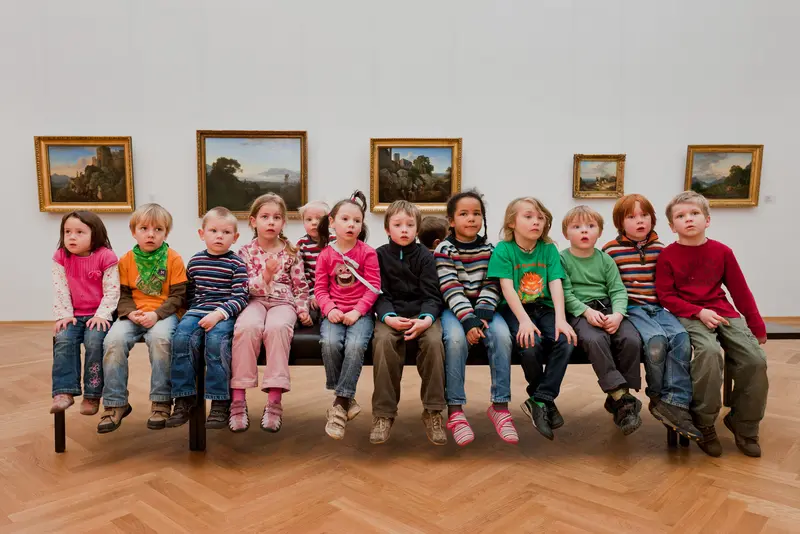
[672, 438]
[197, 423]
[60, 431]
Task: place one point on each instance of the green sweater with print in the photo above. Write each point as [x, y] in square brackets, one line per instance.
[593, 278]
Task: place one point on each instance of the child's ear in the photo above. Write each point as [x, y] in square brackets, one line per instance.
[200, 232]
[436, 242]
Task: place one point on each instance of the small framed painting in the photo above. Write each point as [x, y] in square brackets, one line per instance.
[727, 175]
[85, 173]
[423, 171]
[598, 176]
[236, 167]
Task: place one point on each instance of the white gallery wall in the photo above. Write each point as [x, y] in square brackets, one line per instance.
[525, 83]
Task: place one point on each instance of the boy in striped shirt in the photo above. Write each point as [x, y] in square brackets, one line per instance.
[308, 248]
[666, 344]
[217, 293]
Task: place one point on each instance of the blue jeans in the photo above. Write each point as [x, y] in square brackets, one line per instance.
[456, 350]
[187, 350]
[67, 360]
[343, 350]
[667, 352]
[119, 341]
[545, 363]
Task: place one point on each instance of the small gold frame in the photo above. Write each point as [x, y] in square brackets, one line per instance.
[579, 190]
[757, 153]
[46, 202]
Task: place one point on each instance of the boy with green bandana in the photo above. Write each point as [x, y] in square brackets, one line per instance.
[152, 295]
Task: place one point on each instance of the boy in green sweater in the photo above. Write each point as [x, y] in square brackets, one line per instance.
[598, 302]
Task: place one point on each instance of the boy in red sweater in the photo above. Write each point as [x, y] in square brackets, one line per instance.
[689, 279]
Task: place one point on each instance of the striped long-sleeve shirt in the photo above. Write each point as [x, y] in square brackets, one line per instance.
[637, 266]
[308, 250]
[217, 283]
[462, 270]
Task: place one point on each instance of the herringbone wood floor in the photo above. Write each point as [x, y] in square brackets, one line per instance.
[590, 479]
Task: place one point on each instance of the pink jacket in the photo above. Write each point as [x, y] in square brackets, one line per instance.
[336, 287]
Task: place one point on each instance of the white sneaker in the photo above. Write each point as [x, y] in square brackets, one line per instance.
[337, 419]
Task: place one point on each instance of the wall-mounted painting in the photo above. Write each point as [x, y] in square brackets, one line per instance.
[423, 171]
[598, 176]
[85, 173]
[727, 175]
[236, 167]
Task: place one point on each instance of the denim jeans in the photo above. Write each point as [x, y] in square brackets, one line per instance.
[189, 344]
[67, 360]
[545, 363]
[343, 350]
[119, 341]
[667, 353]
[456, 350]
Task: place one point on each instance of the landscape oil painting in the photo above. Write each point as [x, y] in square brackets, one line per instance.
[598, 175]
[236, 167]
[89, 173]
[423, 171]
[727, 175]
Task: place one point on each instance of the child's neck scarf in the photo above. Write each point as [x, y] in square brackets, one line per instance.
[152, 267]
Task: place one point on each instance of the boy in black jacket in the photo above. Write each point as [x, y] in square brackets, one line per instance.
[408, 312]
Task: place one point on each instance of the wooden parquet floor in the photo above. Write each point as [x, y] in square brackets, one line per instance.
[590, 479]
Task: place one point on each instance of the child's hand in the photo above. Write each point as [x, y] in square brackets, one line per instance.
[135, 316]
[210, 320]
[148, 319]
[762, 340]
[335, 315]
[313, 304]
[398, 323]
[270, 269]
[612, 323]
[711, 319]
[99, 322]
[417, 328]
[595, 318]
[305, 318]
[563, 327]
[351, 317]
[61, 324]
[526, 335]
[474, 335]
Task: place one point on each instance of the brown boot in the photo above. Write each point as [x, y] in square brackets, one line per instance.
[748, 446]
[159, 413]
[434, 427]
[90, 406]
[112, 418]
[709, 444]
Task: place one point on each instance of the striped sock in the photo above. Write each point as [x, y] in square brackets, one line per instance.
[503, 424]
[462, 432]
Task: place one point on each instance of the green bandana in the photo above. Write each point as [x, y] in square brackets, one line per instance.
[152, 267]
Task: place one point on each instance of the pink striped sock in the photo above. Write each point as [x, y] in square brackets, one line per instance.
[239, 395]
[274, 395]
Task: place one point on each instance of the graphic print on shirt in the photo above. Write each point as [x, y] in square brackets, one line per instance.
[531, 287]
[343, 276]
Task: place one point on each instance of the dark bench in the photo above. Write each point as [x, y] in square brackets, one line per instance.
[306, 351]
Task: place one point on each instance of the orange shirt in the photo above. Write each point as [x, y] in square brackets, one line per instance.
[128, 273]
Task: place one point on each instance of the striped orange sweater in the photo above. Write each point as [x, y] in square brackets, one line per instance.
[637, 266]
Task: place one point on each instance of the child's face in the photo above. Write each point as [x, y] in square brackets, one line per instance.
[688, 220]
[218, 234]
[268, 222]
[149, 235]
[467, 219]
[311, 218]
[402, 228]
[77, 237]
[637, 224]
[347, 223]
[583, 233]
[529, 222]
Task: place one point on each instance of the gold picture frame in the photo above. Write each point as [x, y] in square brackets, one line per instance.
[84, 173]
[592, 175]
[419, 179]
[271, 161]
[729, 176]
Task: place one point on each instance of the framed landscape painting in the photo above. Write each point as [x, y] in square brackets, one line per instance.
[598, 176]
[727, 175]
[423, 171]
[236, 167]
[85, 173]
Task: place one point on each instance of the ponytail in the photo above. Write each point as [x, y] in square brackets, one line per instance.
[357, 199]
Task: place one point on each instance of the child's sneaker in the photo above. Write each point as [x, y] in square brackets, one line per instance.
[61, 402]
[218, 414]
[709, 444]
[353, 410]
[538, 415]
[554, 417]
[748, 446]
[679, 419]
[503, 424]
[434, 427]
[458, 425]
[159, 413]
[112, 418]
[90, 406]
[381, 426]
[272, 419]
[239, 420]
[337, 420]
[184, 406]
[626, 413]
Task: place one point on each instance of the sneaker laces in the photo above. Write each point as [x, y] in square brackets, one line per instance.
[436, 422]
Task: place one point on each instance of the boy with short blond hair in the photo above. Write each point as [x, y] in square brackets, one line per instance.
[152, 294]
[689, 278]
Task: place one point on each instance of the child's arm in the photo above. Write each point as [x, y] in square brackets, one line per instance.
[297, 277]
[429, 284]
[453, 291]
[176, 298]
[616, 292]
[383, 305]
[742, 297]
[372, 274]
[108, 304]
[488, 299]
[240, 293]
[322, 284]
[62, 298]
[562, 326]
[572, 304]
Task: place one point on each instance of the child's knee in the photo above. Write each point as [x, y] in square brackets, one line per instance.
[656, 349]
[273, 328]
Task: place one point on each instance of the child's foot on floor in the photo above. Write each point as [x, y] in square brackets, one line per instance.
[239, 419]
[61, 402]
[90, 406]
[218, 414]
[679, 419]
[337, 420]
[709, 444]
[458, 425]
[272, 419]
[748, 446]
[503, 424]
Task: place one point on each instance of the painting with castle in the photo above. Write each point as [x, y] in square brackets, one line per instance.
[92, 173]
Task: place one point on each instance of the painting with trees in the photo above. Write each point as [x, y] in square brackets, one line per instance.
[727, 175]
[598, 176]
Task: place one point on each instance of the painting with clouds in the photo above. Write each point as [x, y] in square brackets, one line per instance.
[598, 176]
[726, 175]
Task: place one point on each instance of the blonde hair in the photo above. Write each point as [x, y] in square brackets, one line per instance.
[151, 213]
[581, 213]
[688, 197]
[220, 213]
[402, 206]
[314, 204]
[271, 198]
[507, 233]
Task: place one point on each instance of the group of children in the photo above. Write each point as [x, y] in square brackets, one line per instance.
[436, 299]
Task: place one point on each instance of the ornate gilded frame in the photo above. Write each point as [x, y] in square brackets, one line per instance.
[619, 188]
[755, 173]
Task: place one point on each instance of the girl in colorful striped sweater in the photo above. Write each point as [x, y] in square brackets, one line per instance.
[462, 261]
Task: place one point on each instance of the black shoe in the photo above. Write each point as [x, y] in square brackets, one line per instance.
[218, 415]
[709, 444]
[626, 413]
[678, 419]
[748, 446]
[609, 404]
[184, 406]
[538, 416]
[553, 415]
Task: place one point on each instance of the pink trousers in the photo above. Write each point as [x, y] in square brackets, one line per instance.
[272, 325]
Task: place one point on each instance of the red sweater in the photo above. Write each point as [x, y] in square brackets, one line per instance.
[689, 279]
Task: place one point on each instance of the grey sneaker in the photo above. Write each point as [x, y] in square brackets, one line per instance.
[381, 426]
[434, 427]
